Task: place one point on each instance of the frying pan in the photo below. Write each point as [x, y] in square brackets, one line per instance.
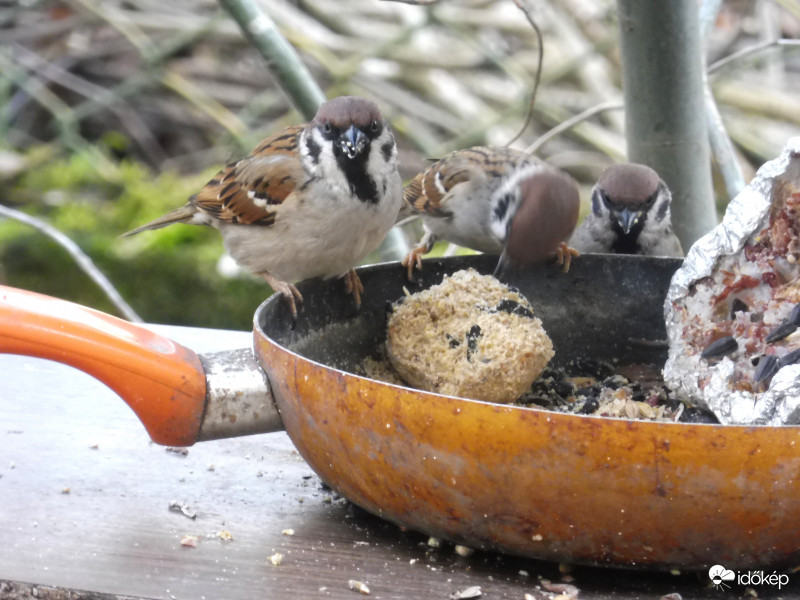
[514, 479]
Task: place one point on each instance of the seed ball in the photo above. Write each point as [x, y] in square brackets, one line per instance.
[470, 336]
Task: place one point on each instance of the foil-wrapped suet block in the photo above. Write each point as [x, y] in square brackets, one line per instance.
[733, 308]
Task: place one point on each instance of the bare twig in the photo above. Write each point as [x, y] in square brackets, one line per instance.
[721, 146]
[540, 50]
[572, 122]
[752, 51]
[79, 256]
[592, 69]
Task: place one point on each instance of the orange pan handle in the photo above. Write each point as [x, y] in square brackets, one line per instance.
[162, 381]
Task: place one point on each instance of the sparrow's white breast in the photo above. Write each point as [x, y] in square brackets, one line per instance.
[324, 236]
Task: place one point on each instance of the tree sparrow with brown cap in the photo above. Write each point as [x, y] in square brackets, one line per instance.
[495, 200]
[630, 215]
[310, 201]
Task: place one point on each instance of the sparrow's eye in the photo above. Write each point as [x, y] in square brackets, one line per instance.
[327, 127]
[375, 126]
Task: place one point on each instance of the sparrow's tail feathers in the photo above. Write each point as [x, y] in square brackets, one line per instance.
[183, 214]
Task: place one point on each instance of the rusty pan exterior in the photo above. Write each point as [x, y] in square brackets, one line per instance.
[526, 481]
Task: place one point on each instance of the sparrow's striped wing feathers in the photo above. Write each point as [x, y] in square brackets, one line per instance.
[250, 191]
[429, 191]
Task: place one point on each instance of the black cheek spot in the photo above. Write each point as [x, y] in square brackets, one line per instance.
[388, 151]
[314, 149]
[598, 199]
[662, 211]
[502, 207]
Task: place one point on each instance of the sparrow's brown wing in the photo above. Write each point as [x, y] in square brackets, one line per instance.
[428, 192]
[251, 190]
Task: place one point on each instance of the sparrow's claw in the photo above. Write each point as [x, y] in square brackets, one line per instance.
[564, 256]
[354, 286]
[413, 259]
[288, 290]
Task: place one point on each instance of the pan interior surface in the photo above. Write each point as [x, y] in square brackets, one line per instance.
[607, 307]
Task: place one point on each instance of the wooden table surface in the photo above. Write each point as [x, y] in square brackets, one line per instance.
[85, 513]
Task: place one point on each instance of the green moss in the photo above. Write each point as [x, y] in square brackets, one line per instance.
[168, 276]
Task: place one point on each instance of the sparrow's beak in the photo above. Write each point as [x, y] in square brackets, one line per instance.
[627, 219]
[353, 141]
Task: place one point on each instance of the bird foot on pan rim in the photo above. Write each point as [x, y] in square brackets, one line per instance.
[564, 256]
[354, 286]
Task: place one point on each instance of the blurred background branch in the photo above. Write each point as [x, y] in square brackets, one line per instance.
[282, 61]
[113, 112]
[85, 263]
[722, 150]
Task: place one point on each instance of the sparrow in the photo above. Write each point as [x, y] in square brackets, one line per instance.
[310, 201]
[630, 215]
[495, 200]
